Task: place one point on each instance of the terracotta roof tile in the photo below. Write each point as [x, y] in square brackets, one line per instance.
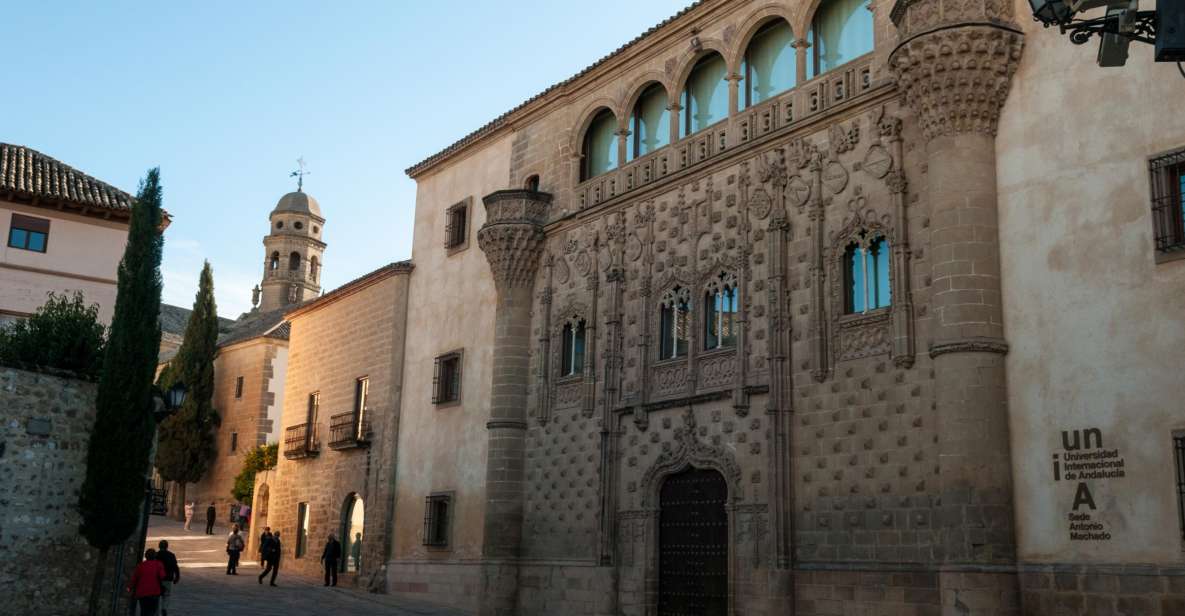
[29, 172]
[501, 120]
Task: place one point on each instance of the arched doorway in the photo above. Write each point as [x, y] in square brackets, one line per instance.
[353, 513]
[693, 544]
[261, 507]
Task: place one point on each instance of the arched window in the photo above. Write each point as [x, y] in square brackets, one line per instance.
[294, 261]
[572, 362]
[274, 263]
[866, 276]
[720, 313]
[352, 529]
[841, 32]
[600, 145]
[705, 97]
[650, 126]
[770, 64]
[674, 323]
[313, 269]
[532, 183]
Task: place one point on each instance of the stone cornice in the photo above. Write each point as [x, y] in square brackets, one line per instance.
[969, 345]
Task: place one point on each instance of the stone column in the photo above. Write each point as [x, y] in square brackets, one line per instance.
[512, 240]
[954, 66]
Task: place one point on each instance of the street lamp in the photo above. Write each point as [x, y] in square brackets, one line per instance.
[1122, 23]
[1051, 12]
[167, 402]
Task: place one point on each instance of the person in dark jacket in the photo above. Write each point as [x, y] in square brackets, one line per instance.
[145, 585]
[211, 513]
[270, 551]
[330, 557]
[234, 547]
[263, 539]
[172, 574]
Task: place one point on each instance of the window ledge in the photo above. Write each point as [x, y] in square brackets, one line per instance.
[862, 318]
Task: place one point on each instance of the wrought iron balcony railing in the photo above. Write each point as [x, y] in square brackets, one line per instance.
[300, 441]
[348, 430]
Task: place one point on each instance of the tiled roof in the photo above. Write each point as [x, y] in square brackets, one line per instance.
[397, 267]
[29, 172]
[501, 120]
[269, 324]
[173, 320]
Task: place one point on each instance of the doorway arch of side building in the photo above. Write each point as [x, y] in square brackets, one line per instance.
[352, 533]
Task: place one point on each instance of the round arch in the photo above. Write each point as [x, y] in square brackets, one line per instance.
[754, 23]
[806, 19]
[639, 85]
[587, 114]
[353, 532]
[689, 59]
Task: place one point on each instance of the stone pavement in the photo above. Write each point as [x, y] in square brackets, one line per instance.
[206, 590]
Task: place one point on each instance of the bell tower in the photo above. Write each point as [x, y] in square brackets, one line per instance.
[292, 252]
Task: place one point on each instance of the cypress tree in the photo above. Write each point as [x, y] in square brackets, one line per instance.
[186, 444]
[117, 459]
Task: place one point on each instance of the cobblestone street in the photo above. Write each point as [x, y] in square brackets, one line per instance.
[206, 590]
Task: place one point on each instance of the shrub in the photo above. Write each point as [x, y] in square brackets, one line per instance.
[262, 458]
[64, 334]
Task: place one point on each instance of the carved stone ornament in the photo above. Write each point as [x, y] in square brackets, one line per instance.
[760, 203]
[798, 191]
[512, 237]
[562, 271]
[835, 177]
[844, 140]
[633, 247]
[877, 162]
[956, 79]
[690, 452]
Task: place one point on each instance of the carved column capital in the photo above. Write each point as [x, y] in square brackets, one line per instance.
[955, 76]
[512, 236]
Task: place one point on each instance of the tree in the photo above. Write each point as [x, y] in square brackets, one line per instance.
[262, 458]
[117, 459]
[64, 334]
[186, 444]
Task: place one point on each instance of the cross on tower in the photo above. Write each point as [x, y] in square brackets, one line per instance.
[299, 174]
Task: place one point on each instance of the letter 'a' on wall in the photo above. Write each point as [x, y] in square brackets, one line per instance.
[841, 32]
[770, 64]
[705, 98]
[600, 145]
[650, 126]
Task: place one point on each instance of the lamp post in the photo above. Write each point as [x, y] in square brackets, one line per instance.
[165, 403]
[1121, 24]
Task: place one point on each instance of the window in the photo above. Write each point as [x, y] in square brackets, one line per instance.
[1167, 174]
[840, 32]
[274, 263]
[705, 98]
[361, 393]
[302, 529]
[673, 323]
[600, 145]
[720, 313]
[238, 388]
[436, 520]
[313, 410]
[456, 226]
[572, 362]
[294, 261]
[234, 442]
[1179, 454]
[314, 268]
[532, 183]
[279, 224]
[770, 65]
[866, 273]
[446, 385]
[650, 126]
[298, 225]
[28, 233]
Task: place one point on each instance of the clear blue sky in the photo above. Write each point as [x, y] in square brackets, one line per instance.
[224, 96]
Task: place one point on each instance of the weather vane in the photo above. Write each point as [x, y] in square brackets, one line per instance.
[299, 174]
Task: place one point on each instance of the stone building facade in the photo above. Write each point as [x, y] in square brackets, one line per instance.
[341, 420]
[764, 367]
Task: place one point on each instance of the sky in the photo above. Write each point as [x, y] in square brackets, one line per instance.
[225, 96]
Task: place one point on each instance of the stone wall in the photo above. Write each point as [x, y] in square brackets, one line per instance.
[45, 427]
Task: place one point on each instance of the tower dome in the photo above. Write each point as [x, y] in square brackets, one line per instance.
[298, 202]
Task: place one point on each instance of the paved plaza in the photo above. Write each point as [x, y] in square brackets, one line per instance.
[206, 590]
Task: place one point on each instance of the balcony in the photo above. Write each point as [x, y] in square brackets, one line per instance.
[348, 431]
[300, 441]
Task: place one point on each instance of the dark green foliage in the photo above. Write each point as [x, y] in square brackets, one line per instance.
[64, 334]
[262, 458]
[117, 460]
[187, 439]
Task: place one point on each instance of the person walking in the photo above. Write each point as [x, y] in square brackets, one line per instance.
[271, 556]
[145, 585]
[172, 574]
[211, 513]
[263, 539]
[234, 547]
[329, 557]
[356, 551]
[188, 514]
[245, 516]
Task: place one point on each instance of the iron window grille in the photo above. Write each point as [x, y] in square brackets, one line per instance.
[300, 441]
[1179, 454]
[437, 509]
[1167, 177]
[28, 233]
[456, 229]
[446, 380]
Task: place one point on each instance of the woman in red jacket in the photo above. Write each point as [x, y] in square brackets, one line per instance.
[145, 585]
